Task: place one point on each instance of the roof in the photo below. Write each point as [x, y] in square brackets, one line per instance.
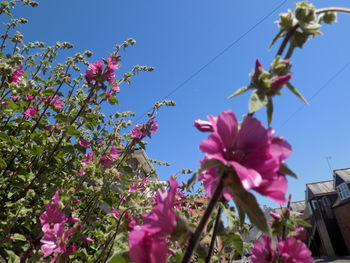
[298, 206]
[320, 188]
[343, 174]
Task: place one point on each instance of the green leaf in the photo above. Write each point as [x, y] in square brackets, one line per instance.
[241, 214]
[269, 110]
[301, 222]
[257, 100]
[279, 34]
[237, 243]
[117, 259]
[296, 92]
[2, 163]
[12, 257]
[239, 91]
[247, 202]
[19, 237]
[4, 137]
[284, 169]
[113, 100]
[72, 131]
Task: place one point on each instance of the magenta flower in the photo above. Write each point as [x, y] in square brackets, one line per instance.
[55, 240]
[108, 95]
[57, 127]
[29, 97]
[94, 71]
[251, 150]
[275, 215]
[57, 103]
[280, 81]
[17, 75]
[30, 112]
[136, 133]
[88, 159]
[113, 153]
[115, 213]
[106, 162]
[53, 214]
[145, 247]
[147, 242]
[162, 218]
[84, 143]
[263, 252]
[294, 251]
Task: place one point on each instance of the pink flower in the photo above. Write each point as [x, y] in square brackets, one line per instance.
[84, 143]
[108, 95]
[112, 62]
[57, 127]
[251, 150]
[113, 153]
[147, 242]
[204, 126]
[88, 240]
[94, 71]
[115, 213]
[48, 128]
[153, 126]
[88, 159]
[263, 252]
[294, 251]
[115, 87]
[82, 172]
[52, 215]
[275, 215]
[17, 75]
[5, 103]
[30, 112]
[55, 240]
[106, 162]
[136, 133]
[29, 97]
[57, 103]
[162, 218]
[280, 81]
[145, 247]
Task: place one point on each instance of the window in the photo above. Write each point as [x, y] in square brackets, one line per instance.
[343, 191]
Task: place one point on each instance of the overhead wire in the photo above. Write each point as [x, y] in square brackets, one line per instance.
[329, 81]
[233, 43]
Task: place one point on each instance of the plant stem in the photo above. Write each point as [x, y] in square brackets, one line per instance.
[332, 9]
[197, 234]
[213, 238]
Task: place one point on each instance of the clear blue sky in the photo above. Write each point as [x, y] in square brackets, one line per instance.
[179, 37]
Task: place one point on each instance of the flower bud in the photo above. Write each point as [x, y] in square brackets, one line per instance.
[329, 17]
[287, 20]
[305, 12]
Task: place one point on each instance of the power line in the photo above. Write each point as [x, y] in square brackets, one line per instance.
[334, 76]
[183, 83]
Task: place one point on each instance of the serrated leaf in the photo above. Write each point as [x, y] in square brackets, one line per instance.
[279, 34]
[239, 91]
[269, 111]
[257, 100]
[247, 202]
[296, 92]
[284, 169]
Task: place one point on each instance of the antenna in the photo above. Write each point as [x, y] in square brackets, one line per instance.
[329, 164]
